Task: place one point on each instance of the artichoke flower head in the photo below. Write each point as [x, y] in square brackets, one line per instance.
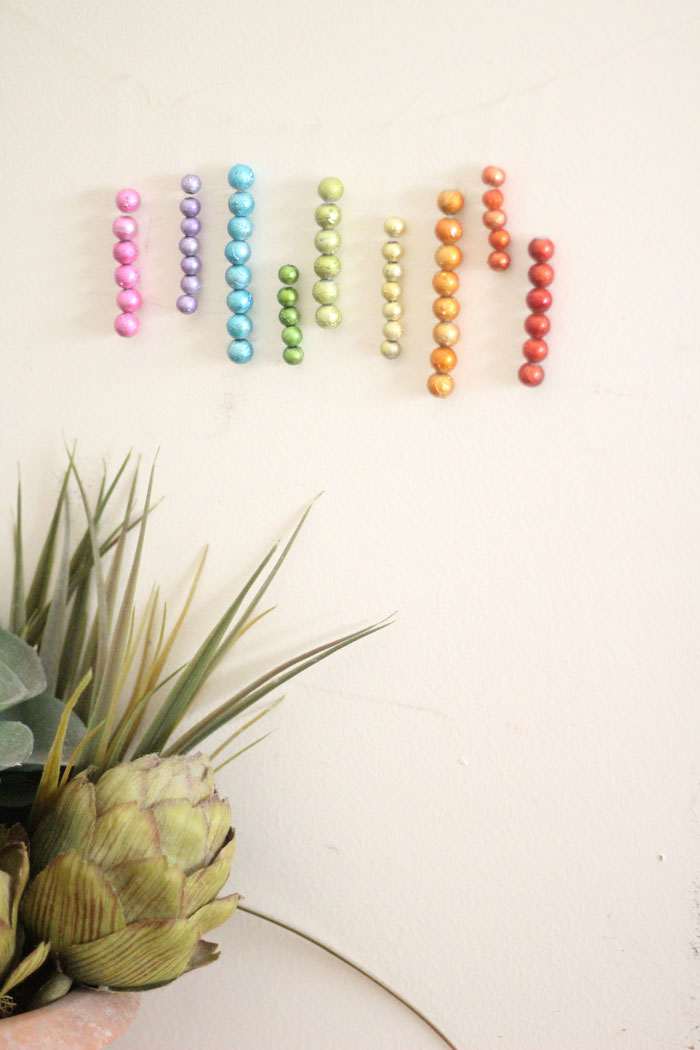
[125, 873]
[14, 874]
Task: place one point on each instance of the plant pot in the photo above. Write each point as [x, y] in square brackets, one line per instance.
[82, 1020]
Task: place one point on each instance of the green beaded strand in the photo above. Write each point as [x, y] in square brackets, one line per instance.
[289, 315]
[327, 241]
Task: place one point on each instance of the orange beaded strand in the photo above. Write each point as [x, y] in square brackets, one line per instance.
[495, 218]
[448, 256]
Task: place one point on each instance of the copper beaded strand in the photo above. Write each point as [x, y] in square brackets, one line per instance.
[446, 282]
[495, 218]
[327, 241]
[539, 300]
[392, 273]
[289, 315]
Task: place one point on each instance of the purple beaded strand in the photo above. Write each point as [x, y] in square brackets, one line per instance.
[190, 265]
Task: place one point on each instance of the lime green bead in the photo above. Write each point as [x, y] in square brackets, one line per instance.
[327, 216]
[291, 336]
[327, 241]
[328, 317]
[325, 292]
[327, 267]
[330, 189]
[287, 296]
[288, 274]
[289, 315]
[293, 355]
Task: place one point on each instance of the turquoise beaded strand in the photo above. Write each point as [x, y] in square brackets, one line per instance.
[289, 315]
[238, 276]
[327, 241]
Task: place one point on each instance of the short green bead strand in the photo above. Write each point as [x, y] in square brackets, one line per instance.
[289, 315]
[327, 241]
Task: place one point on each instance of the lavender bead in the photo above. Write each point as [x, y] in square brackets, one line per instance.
[190, 227]
[191, 285]
[186, 304]
[191, 183]
[190, 206]
[189, 245]
[190, 265]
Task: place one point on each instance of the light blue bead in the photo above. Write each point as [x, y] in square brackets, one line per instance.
[239, 326]
[240, 351]
[241, 203]
[240, 301]
[237, 252]
[241, 177]
[238, 276]
[240, 228]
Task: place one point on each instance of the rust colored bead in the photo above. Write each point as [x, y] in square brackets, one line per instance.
[539, 300]
[493, 176]
[446, 308]
[440, 385]
[494, 219]
[445, 282]
[443, 359]
[450, 201]
[537, 325]
[499, 239]
[541, 274]
[446, 333]
[492, 198]
[535, 350]
[530, 375]
[499, 260]
[448, 230]
[448, 256]
[541, 249]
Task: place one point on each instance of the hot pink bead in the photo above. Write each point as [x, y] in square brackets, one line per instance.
[124, 227]
[128, 300]
[128, 200]
[125, 251]
[126, 276]
[126, 325]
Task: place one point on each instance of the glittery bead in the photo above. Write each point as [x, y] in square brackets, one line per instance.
[499, 260]
[540, 249]
[288, 274]
[287, 296]
[240, 228]
[392, 330]
[494, 219]
[530, 375]
[330, 189]
[392, 271]
[541, 274]
[394, 226]
[190, 226]
[327, 216]
[124, 227]
[239, 326]
[392, 251]
[327, 267]
[191, 285]
[391, 290]
[499, 239]
[539, 300]
[445, 282]
[443, 359]
[535, 350]
[537, 325]
[189, 245]
[237, 252]
[448, 256]
[128, 200]
[440, 385]
[239, 301]
[238, 276]
[129, 300]
[291, 335]
[126, 325]
[446, 333]
[493, 176]
[293, 355]
[392, 311]
[446, 308]
[126, 276]
[390, 349]
[190, 264]
[289, 315]
[328, 316]
[125, 252]
[239, 351]
[492, 199]
[448, 231]
[325, 292]
[450, 202]
[190, 206]
[241, 177]
[241, 204]
[191, 183]
[186, 304]
[327, 241]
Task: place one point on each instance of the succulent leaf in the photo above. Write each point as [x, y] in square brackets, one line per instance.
[21, 670]
[16, 743]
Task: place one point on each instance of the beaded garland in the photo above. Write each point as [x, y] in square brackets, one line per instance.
[392, 273]
[446, 282]
[289, 315]
[238, 275]
[539, 300]
[190, 225]
[327, 241]
[125, 253]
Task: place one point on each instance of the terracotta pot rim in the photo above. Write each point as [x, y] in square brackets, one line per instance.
[82, 1020]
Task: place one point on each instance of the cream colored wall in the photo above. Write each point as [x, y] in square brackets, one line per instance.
[493, 804]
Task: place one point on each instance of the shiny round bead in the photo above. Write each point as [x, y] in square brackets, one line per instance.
[393, 311]
[541, 249]
[494, 219]
[126, 276]
[392, 271]
[535, 350]
[539, 300]
[241, 203]
[392, 330]
[327, 267]
[190, 183]
[128, 200]
[445, 333]
[541, 274]
[448, 256]
[293, 355]
[241, 177]
[392, 251]
[289, 315]
[126, 325]
[499, 239]
[328, 316]
[189, 245]
[492, 198]
[493, 176]
[445, 282]
[499, 260]
[440, 385]
[129, 300]
[394, 226]
[237, 252]
[327, 241]
[537, 325]
[191, 285]
[330, 189]
[287, 296]
[443, 359]
[190, 264]
[291, 335]
[190, 207]
[325, 292]
[239, 301]
[390, 349]
[530, 375]
[391, 290]
[239, 326]
[124, 227]
[238, 276]
[446, 308]
[186, 304]
[327, 216]
[448, 231]
[190, 227]
[125, 252]
[239, 351]
[240, 228]
[288, 274]
[450, 201]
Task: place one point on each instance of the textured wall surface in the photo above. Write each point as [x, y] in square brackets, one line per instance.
[494, 804]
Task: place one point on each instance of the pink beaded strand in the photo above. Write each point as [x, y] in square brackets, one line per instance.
[125, 253]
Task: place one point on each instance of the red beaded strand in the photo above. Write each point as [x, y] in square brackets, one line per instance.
[495, 218]
[539, 299]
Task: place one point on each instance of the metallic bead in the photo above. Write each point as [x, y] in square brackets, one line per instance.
[539, 300]
[241, 177]
[239, 326]
[327, 267]
[446, 308]
[392, 251]
[327, 216]
[190, 207]
[531, 375]
[240, 228]
[499, 260]
[540, 249]
[448, 231]
[241, 203]
[393, 311]
[238, 276]
[446, 333]
[392, 330]
[537, 325]
[327, 241]
[390, 348]
[186, 304]
[239, 301]
[448, 256]
[392, 271]
[291, 335]
[494, 219]
[288, 274]
[190, 264]
[443, 359]
[325, 292]
[289, 315]
[190, 227]
[191, 285]
[287, 296]
[499, 239]
[535, 350]
[391, 290]
[445, 282]
[440, 385]
[293, 355]
[237, 252]
[541, 274]
[191, 183]
[189, 245]
[492, 198]
[450, 201]
[328, 316]
[240, 351]
[330, 189]
[493, 176]
[394, 227]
